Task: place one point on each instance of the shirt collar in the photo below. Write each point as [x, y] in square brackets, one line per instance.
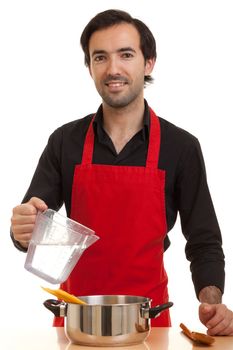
[98, 123]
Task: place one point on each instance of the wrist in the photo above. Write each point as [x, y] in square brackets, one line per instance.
[210, 295]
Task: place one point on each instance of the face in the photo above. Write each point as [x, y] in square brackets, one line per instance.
[117, 64]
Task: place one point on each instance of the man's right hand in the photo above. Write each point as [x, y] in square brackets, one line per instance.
[23, 219]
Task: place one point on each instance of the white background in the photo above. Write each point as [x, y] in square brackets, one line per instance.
[44, 83]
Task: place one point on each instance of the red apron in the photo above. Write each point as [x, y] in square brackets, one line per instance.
[125, 206]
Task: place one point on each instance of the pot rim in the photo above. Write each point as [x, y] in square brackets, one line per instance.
[141, 300]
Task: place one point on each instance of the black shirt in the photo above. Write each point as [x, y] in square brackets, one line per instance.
[186, 189]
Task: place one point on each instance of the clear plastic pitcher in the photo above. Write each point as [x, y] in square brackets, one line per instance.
[56, 246]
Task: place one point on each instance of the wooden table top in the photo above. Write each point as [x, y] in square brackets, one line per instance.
[55, 339]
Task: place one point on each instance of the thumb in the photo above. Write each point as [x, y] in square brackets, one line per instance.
[38, 203]
[206, 312]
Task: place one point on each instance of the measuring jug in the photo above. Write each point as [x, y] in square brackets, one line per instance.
[57, 244]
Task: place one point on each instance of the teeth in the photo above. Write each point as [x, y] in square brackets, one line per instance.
[115, 84]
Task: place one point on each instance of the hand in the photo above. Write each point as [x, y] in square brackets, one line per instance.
[23, 219]
[217, 318]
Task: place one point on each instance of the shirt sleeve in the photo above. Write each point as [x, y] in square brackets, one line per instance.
[46, 182]
[199, 222]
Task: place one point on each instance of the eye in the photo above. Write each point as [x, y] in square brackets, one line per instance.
[99, 58]
[127, 55]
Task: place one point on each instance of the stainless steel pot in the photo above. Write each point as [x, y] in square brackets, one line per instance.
[107, 320]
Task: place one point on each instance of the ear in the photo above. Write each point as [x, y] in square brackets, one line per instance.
[149, 66]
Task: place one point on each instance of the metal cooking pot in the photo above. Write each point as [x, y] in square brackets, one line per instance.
[107, 320]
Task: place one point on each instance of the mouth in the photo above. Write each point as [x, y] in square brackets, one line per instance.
[116, 85]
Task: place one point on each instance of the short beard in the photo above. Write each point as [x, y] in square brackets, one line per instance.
[119, 102]
[123, 101]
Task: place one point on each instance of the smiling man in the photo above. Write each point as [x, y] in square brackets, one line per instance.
[118, 70]
[126, 173]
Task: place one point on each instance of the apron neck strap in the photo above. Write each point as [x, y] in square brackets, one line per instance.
[89, 144]
[154, 142]
[153, 147]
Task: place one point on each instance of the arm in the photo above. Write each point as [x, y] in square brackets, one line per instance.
[199, 223]
[43, 192]
[204, 243]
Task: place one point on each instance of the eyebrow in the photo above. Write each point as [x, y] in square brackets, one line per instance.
[123, 49]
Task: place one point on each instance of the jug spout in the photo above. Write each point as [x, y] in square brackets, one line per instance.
[89, 240]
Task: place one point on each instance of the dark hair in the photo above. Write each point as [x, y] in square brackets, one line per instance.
[109, 18]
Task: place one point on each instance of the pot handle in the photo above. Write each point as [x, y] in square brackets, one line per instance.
[155, 311]
[57, 307]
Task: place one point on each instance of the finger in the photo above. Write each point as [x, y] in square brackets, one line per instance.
[217, 329]
[206, 312]
[24, 209]
[23, 233]
[207, 309]
[215, 322]
[224, 326]
[22, 220]
[225, 331]
[22, 229]
[38, 203]
[24, 238]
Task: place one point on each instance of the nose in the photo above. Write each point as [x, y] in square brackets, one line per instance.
[113, 67]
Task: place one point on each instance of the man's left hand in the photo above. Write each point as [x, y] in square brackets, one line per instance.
[217, 318]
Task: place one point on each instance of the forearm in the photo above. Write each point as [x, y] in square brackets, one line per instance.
[210, 295]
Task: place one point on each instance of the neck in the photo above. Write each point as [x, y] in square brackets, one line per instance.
[122, 124]
[123, 119]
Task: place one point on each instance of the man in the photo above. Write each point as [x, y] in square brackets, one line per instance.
[125, 173]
